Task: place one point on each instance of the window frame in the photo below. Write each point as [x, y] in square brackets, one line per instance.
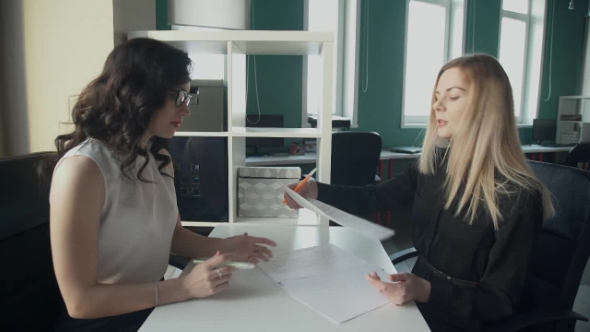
[521, 117]
[421, 121]
[532, 97]
[341, 56]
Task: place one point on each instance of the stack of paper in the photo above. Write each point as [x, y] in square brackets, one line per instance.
[328, 280]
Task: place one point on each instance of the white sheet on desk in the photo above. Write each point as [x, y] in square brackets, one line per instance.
[308, 262]
[360, 225]
[340, 295]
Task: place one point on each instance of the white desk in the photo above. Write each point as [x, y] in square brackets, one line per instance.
[310, 158]
[254, 302]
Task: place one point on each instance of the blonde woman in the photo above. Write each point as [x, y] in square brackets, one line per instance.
[477, 207]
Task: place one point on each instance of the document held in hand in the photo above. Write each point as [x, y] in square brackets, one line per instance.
[360, 225]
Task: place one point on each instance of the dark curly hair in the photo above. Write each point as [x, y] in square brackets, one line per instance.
[118, 106]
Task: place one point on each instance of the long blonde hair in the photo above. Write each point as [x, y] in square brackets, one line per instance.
[484, 156]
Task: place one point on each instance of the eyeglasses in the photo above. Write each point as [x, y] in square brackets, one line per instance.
[182, 97]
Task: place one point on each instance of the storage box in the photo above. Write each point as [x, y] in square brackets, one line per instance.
[260, 193]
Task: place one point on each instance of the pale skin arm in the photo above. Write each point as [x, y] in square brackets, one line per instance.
[192, 245]
[74, 214]
[246, 248]
[404, 287]
[189, 244]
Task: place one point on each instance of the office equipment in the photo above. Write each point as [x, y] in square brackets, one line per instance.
[237, 265]
[570, 117]
[264, 121]
[355, 157]
[338, 122]
[200, 177]
[406, 149]
[544, 131]
[360, 225]
[254, 300]
[310, 145]
[573, 120]
[296, 148]
[558, 257]
[260, 191]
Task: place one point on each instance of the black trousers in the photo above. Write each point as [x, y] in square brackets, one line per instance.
[437, 320]
[121, 323]
[130, 322]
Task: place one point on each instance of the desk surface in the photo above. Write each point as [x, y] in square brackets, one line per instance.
[254, 302]
[310, 158]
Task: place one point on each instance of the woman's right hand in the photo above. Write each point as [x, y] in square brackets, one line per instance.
[309, 190]
[206, 279]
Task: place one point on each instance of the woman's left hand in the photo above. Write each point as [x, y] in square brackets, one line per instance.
[248, 248]
[406, 287]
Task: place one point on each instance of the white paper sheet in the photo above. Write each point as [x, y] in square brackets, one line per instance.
[339, 296]
[328, 280]
[362, 226]
[308, 262]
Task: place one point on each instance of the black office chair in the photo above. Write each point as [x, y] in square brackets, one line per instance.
[29, 295]
[355, 157]
[558, 257]
[579, 156]
[30, 299]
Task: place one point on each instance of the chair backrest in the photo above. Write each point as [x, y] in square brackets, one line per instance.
[355, 157]
[579, 156]
[561, 251]
[29, 295]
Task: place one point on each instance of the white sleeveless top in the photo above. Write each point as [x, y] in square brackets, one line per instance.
[137, 220]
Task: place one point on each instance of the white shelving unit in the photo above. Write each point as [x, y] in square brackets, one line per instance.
[235, 45]
[573, 131]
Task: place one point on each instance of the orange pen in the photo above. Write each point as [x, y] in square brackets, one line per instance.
[300, 185]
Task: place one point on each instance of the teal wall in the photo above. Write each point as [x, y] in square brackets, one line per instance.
[380, 107]
[279, 77]
[162, 15]
[568, 55]
[568, 42]
[484, 37]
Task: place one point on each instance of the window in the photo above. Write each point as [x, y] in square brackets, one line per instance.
[434, 35]
[340, 17]
[521, 48]
[205, 66]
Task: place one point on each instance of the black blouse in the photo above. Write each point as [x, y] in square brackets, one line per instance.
[496, 259]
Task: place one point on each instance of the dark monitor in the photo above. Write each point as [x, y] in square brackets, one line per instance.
[200, 177]
[544, 130]
[264, 121]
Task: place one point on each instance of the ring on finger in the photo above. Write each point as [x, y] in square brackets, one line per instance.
[219, 273]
